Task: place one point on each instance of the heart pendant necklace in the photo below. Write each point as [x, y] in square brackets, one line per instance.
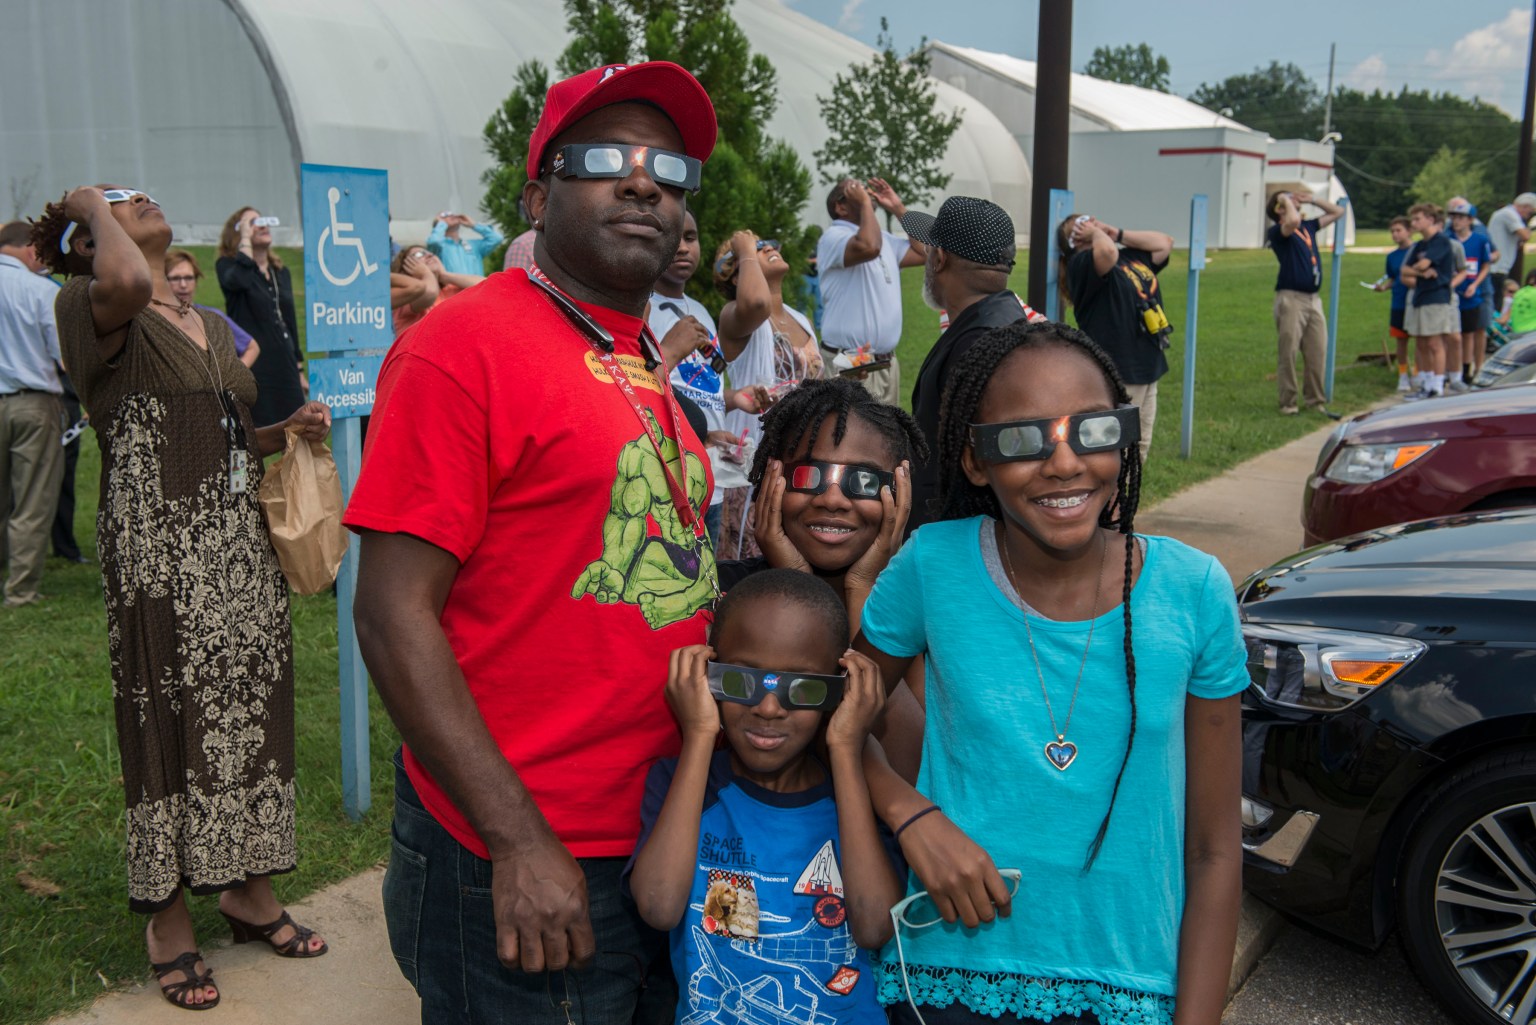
[1061, 752]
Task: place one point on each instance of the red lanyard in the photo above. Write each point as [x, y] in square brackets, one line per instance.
[592, 332]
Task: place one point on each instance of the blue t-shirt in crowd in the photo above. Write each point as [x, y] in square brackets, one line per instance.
[1435, 291]
[1479, 251]
[1116, 926]
[1300, 270]
[1394, 271]
[765, 936]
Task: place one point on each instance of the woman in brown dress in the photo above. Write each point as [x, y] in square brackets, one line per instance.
[197, 608]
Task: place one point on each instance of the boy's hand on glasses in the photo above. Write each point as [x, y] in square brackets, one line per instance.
[863, 701]
[768, 527]
[539, 895]
[895, 507]
[959, 876]
[688, 691]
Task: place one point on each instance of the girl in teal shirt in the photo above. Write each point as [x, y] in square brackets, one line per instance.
[1081, 716]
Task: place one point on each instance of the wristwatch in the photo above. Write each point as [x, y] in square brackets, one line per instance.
[1119, 235]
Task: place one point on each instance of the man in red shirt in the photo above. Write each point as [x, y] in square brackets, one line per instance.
[530, 507]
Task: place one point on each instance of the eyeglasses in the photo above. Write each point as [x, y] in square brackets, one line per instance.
[812, 477]
[919, 912]
[744, 685]
[112, 196]
[1037, 439]
[616, 160]
[181, 279]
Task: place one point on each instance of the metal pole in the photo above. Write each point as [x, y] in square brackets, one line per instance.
[1333, 296]
[1198, 209]
[1328, 104]
[356, 795]
[1527, 127]
[1053, 116]
[1061, 205]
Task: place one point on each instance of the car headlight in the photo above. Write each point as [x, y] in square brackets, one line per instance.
[1493, 369]
[1321, 669]
[1366, 464]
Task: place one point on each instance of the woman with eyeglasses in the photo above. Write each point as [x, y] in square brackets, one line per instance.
[418, 281]
[197, 608]
[258, 293]
[183, 272]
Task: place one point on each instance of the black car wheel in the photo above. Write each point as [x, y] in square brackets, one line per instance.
[1467, 891]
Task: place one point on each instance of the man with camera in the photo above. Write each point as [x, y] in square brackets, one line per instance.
[462, 255]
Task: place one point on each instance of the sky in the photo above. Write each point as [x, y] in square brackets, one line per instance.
[1470, 47]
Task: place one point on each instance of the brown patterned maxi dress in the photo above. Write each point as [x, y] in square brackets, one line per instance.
[197, 609]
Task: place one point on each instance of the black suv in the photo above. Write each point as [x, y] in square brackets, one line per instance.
[1389, 769]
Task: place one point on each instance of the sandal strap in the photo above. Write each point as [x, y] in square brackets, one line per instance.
[186, 964]
[298, 941]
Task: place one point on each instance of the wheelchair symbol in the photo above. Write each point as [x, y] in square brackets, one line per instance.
[340, 234]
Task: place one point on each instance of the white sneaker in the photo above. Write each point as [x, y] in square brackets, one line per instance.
[1422, 393]
[1404, 385]
[1455, 384]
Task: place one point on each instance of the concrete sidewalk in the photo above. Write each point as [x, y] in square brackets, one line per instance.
[1248, 518]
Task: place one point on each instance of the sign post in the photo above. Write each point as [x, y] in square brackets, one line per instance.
[1060, 206]
[1197, 222]
[346, 311]
[1333, 297]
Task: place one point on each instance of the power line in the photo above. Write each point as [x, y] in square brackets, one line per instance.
[1369, 176]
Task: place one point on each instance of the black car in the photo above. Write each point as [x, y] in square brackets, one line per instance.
[1518, 352]
[1389, 763]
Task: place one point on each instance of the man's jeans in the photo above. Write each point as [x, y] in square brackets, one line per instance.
[437, 903]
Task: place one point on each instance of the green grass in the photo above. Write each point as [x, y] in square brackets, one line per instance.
[61, 801]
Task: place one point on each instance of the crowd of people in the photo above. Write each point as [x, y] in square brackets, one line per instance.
[690, 705]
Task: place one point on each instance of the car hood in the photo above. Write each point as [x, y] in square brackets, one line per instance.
[1430, 575]
[1442, 416]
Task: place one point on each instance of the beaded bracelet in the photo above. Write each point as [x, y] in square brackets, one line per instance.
[914, 818]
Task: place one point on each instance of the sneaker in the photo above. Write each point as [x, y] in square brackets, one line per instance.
[1422, 393]
[1289, 411]
[1455, 384]
[1403, 384]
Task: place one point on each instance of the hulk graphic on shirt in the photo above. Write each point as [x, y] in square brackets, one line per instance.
[670, 576]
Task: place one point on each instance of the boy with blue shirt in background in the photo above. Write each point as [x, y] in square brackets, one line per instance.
[1471, 298]
[764, 862]
[1402, 237]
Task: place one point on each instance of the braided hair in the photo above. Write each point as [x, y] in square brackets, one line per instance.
[801, 413]
[960, 499]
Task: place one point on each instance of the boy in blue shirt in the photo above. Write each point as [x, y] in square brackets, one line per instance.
[764, 862]
[1402, 237]
[1430, 268]
[1469, 294]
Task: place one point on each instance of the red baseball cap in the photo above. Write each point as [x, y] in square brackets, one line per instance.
[668, 86]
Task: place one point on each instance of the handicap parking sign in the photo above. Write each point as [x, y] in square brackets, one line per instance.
[346, 258]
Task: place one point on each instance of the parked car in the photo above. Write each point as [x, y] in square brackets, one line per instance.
[1437, 457]
[1518, 352]
[1389, 749]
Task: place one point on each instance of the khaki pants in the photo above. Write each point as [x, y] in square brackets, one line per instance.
[1144, 398]
[31, 468]
[1300, 324]
[884, 384]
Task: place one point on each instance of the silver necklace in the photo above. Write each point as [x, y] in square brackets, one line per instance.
[1060, 752]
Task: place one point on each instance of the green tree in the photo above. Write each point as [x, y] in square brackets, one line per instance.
[1279, 99]
[1132, 65]
[1450, 172]
[751, 181]
[882, 123]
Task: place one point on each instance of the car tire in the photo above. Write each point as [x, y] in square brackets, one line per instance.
[1469, 870]
[1506, 500]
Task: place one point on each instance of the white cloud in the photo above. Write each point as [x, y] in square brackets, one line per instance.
[1369, 75]
[1487, 60]
[851, 20]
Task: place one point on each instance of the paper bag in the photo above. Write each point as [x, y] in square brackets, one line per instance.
[301, 494]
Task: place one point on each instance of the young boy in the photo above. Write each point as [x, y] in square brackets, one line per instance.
[1402, 237]
[1469, 294]
[1430, 268]
[765, 863]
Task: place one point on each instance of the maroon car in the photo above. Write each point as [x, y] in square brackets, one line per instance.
[1432, 458]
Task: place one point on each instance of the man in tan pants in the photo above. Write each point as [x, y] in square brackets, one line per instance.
[31, 415]
[1299, 320]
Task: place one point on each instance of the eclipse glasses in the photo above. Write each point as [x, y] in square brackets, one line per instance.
[112, 196]
[617, 160]
[812, 477]
[1085, 433]
[743, 685]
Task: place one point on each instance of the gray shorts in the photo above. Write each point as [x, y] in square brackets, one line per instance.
[1437, 319]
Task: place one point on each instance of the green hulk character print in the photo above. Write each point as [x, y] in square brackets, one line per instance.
[670, 577]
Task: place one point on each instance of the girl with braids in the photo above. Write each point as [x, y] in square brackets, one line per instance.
[1081, 749]
[197, 608]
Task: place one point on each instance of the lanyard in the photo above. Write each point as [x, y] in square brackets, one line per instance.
[601, 342]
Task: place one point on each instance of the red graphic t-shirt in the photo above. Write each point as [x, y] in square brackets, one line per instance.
[499, 437]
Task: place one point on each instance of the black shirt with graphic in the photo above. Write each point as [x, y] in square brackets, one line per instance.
[1109, 308]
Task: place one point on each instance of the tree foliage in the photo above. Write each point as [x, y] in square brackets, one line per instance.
[1132, 65]
[1279, 99]
[752, 180]
[1450, 172]
[882, 123]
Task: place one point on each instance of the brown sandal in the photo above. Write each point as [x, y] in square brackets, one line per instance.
[296, 946]
[178, 993]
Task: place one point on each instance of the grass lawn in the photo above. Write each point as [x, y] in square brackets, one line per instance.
[61, 803]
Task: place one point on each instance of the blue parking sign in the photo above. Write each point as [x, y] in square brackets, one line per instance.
[346, 258]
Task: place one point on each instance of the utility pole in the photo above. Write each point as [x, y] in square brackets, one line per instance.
[1527, 126]
[1328, 103]
[1053, 117]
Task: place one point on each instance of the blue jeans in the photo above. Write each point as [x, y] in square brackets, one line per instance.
[437, 905]
[712, 523]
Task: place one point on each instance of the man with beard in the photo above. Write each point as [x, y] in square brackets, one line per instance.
[508, 635]
[970, 252]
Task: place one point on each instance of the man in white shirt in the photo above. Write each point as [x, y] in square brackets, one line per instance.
[31, 414]
[860, 269]
[1508, 230]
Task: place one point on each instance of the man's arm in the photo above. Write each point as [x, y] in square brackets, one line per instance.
[865, 244]
[1290, 217]
[538, 891]
[886, 199]
[1331, 210]
[435, 238]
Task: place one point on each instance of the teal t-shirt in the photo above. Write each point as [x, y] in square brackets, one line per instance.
[984, 763]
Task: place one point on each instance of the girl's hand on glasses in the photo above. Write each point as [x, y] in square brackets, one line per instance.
[744, 243]
[863, 701]
[688, 692]
[958, 875]
[768, 526]
[895, 507]
[80, 203]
